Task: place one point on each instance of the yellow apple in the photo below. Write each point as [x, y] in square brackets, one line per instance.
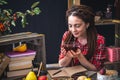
[81, 78]
[88, 79]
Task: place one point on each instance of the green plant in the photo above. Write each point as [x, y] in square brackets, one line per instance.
[117, 36]
[8, 18]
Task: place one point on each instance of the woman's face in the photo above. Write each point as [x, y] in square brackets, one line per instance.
[77, 26]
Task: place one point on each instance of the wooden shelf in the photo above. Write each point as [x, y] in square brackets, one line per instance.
[73, 2]
[34, 41]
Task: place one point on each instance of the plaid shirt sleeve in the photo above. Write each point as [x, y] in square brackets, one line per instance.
[100, 54]
[63, 39]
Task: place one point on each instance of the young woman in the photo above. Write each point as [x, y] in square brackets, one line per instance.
[90, 51]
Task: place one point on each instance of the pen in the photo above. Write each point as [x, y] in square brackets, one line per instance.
[57, 72]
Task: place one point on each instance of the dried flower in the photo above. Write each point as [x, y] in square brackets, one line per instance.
[8, 18]
[2, 28]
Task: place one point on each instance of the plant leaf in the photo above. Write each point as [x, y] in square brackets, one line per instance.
[36, 10]
[19, 14]
[8, 12]
[9, 29]
[13, 23]
[28, 11]
[116, 35]
[2, 2]
[24, 21]
[34, 4]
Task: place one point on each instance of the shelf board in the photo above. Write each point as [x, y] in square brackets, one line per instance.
[19, 37]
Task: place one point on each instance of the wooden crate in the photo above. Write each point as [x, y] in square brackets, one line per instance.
[34, 41]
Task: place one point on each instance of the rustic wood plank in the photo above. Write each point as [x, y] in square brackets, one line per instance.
[4, 64]
[17, 34]
[19, 37]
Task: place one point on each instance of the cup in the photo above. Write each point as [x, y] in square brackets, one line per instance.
[70, 46]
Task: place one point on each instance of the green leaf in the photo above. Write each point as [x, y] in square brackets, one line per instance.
[19, 14]
[24, 21]
[116, 35]
[36, 10]
[13, 23]
[28, 11]
[35, 4]
[2, 2]
[7, 12]
[9, 29]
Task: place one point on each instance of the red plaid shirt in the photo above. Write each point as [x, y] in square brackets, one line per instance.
[98, 57]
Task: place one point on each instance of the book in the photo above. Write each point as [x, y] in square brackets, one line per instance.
[20, 65]
[13, 54]
[20, 72]
[66, 72]
[20, 60]
[28, 57]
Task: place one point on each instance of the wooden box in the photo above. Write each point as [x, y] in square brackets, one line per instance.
[34, 41]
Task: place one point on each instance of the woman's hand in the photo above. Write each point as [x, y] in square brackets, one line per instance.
[74, 54]
[69, 53]
[67, 58]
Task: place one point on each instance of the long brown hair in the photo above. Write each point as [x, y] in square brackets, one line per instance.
[87, 15]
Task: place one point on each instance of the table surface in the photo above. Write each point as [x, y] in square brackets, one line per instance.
[49, 66]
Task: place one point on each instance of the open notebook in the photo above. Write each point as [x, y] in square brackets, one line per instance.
[66, 72]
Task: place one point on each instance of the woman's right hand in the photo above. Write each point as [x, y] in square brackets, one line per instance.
[66, 59]
[66, 53]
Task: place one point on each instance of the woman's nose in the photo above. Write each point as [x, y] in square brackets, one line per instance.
[73, 29]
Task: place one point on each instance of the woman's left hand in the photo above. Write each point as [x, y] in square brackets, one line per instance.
[76, 53]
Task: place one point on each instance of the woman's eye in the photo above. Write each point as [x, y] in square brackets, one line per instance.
[69, 25]
[77, 25]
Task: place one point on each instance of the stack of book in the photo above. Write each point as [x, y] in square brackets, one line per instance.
[20, 63]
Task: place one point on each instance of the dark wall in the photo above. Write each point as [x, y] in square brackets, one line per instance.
[108, 31]
[50, 22]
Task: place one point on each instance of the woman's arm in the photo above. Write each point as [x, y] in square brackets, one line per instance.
[83, 60]
[65, 61]
[64, 57]
[86, 63]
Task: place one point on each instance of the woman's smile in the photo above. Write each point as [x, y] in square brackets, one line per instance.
[76, 34]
